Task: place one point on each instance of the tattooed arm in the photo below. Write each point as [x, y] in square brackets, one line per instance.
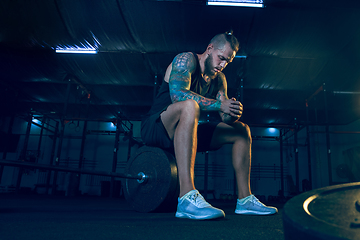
[222, 96]
[183, 66]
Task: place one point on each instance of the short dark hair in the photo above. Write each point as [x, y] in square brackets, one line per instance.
[220, 40]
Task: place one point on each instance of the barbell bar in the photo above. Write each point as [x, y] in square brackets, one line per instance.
[156, 188]
[140, 176]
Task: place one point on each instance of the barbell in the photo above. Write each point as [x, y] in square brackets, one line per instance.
[156, 187]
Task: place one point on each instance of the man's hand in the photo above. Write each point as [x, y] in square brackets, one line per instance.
[232, 107]
[232, 110]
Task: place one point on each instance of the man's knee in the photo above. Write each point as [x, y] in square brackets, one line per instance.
[243, 131]
[190, 107]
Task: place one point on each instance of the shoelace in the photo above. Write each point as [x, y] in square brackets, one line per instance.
[198, 200]
[256, 201]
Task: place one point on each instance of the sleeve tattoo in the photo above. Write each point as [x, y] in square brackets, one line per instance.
[180, 80]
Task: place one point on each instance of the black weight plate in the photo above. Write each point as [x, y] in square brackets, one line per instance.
[327, 213]
[160, 191]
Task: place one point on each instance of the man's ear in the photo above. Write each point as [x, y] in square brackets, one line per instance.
[209, 48]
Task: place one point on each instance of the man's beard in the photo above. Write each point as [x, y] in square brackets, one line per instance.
[209, 68]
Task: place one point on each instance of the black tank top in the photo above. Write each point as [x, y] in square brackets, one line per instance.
[198, 85]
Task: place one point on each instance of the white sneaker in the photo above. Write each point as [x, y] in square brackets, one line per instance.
[193, 206]
[252, 206]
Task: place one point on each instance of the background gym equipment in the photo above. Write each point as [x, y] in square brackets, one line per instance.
[327, 213]
[151, 178]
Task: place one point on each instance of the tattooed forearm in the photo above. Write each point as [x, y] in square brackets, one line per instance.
[180, 80]
[221, 96]
[205, 104]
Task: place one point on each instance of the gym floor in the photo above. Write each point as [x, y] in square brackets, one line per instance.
[47, 217]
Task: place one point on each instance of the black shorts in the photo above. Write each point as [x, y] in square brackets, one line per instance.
[153, 133]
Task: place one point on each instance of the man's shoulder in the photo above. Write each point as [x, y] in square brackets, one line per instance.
[189, 55]
[221, 77]
[185, 61]
[221, 81]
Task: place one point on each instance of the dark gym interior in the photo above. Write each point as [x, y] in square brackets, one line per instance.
[296, 74]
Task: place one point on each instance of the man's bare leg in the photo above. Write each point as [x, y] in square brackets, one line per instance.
[239, 135]
[241, 160]
[181, 121]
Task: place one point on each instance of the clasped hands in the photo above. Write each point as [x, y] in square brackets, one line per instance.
[232, 107]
